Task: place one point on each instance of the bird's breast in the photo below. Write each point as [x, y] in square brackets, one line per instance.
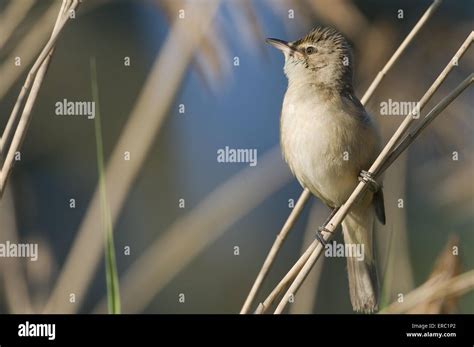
[322, 145]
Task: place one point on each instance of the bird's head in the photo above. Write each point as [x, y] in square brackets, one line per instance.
[323, 57]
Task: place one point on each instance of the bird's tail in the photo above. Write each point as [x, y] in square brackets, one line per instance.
[363, 282]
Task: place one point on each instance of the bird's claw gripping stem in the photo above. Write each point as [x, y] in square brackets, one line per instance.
[369, 179]
[320, 236]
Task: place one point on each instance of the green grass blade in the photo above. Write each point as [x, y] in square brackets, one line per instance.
[113, 290]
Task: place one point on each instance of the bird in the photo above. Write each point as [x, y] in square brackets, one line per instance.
[329, 141]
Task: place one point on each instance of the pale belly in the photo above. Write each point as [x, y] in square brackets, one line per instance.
[324, 149]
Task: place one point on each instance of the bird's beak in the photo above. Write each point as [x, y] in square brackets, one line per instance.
[284, 46]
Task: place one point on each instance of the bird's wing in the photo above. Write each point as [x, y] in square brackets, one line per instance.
[356, 109]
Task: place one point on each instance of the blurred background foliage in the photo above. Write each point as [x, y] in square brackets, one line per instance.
[235, 106]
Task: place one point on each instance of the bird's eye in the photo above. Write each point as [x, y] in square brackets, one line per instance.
[310, 50]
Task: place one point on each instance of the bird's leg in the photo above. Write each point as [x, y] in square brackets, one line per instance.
[319, 236]
[369, 179]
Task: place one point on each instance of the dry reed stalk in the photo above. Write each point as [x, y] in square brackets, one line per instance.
[280, 238]
[309, 291]
[31, 44]
[286, 281]
[306, 194]
[447, 266]
[32, 85]
[391, 151]
[150, 110]
[456, 286]
[424, 18]
[27, 49]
